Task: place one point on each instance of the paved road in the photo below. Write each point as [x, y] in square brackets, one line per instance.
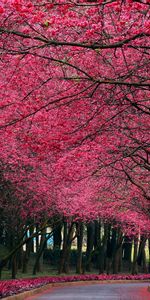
[129, 291]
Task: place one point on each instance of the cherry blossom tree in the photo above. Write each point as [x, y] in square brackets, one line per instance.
[75, 109]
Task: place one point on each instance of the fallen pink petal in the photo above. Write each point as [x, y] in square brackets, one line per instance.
[12, 287]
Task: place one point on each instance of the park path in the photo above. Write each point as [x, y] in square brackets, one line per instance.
[116, 291]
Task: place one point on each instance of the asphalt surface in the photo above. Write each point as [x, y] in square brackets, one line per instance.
[116, 291]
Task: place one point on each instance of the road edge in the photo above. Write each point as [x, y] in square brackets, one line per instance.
[24, 295]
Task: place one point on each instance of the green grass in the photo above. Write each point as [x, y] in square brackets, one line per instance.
[6, 274]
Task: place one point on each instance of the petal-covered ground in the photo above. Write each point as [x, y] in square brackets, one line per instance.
[12, 287]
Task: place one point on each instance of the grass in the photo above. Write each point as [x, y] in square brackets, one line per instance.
[6, 274]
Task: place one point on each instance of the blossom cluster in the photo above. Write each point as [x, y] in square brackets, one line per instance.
[12, 287]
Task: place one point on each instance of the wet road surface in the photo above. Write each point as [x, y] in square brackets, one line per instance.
[116, 291]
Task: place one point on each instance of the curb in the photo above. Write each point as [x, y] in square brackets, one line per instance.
[33, 292]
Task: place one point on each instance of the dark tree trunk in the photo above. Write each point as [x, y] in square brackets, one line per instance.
[64, 250]
[32, 240]
[20, 259]
[141, 259]
[103, 250]
[57, 238]
[135, 252]
[37, 266]
[117, 256]
[97, 235]
[127, 252]
[26, 256]
[14, 266]
[80, 228]
[90, 244]
[37, 239]
[65, 255]
[13, 270]
[109, 251]
[10, 246]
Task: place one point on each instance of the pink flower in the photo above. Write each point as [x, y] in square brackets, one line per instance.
[12, 287]
[1, 10]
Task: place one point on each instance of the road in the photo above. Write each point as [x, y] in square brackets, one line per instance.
[116, 291]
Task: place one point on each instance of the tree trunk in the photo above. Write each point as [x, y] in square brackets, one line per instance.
[135, 252]
[103, 250]
[32, 240]
[97, 235]
[57, 238]
[14, 266]
[141, 259]
[20, 259]
[37, 266]
[26, 256]
[117, 256]
[37, 239]
[109, 252]
[90, 244]
[65, 255]
[80, 228]
[127, 252]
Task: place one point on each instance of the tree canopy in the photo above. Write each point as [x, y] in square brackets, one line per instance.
[74, 109]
